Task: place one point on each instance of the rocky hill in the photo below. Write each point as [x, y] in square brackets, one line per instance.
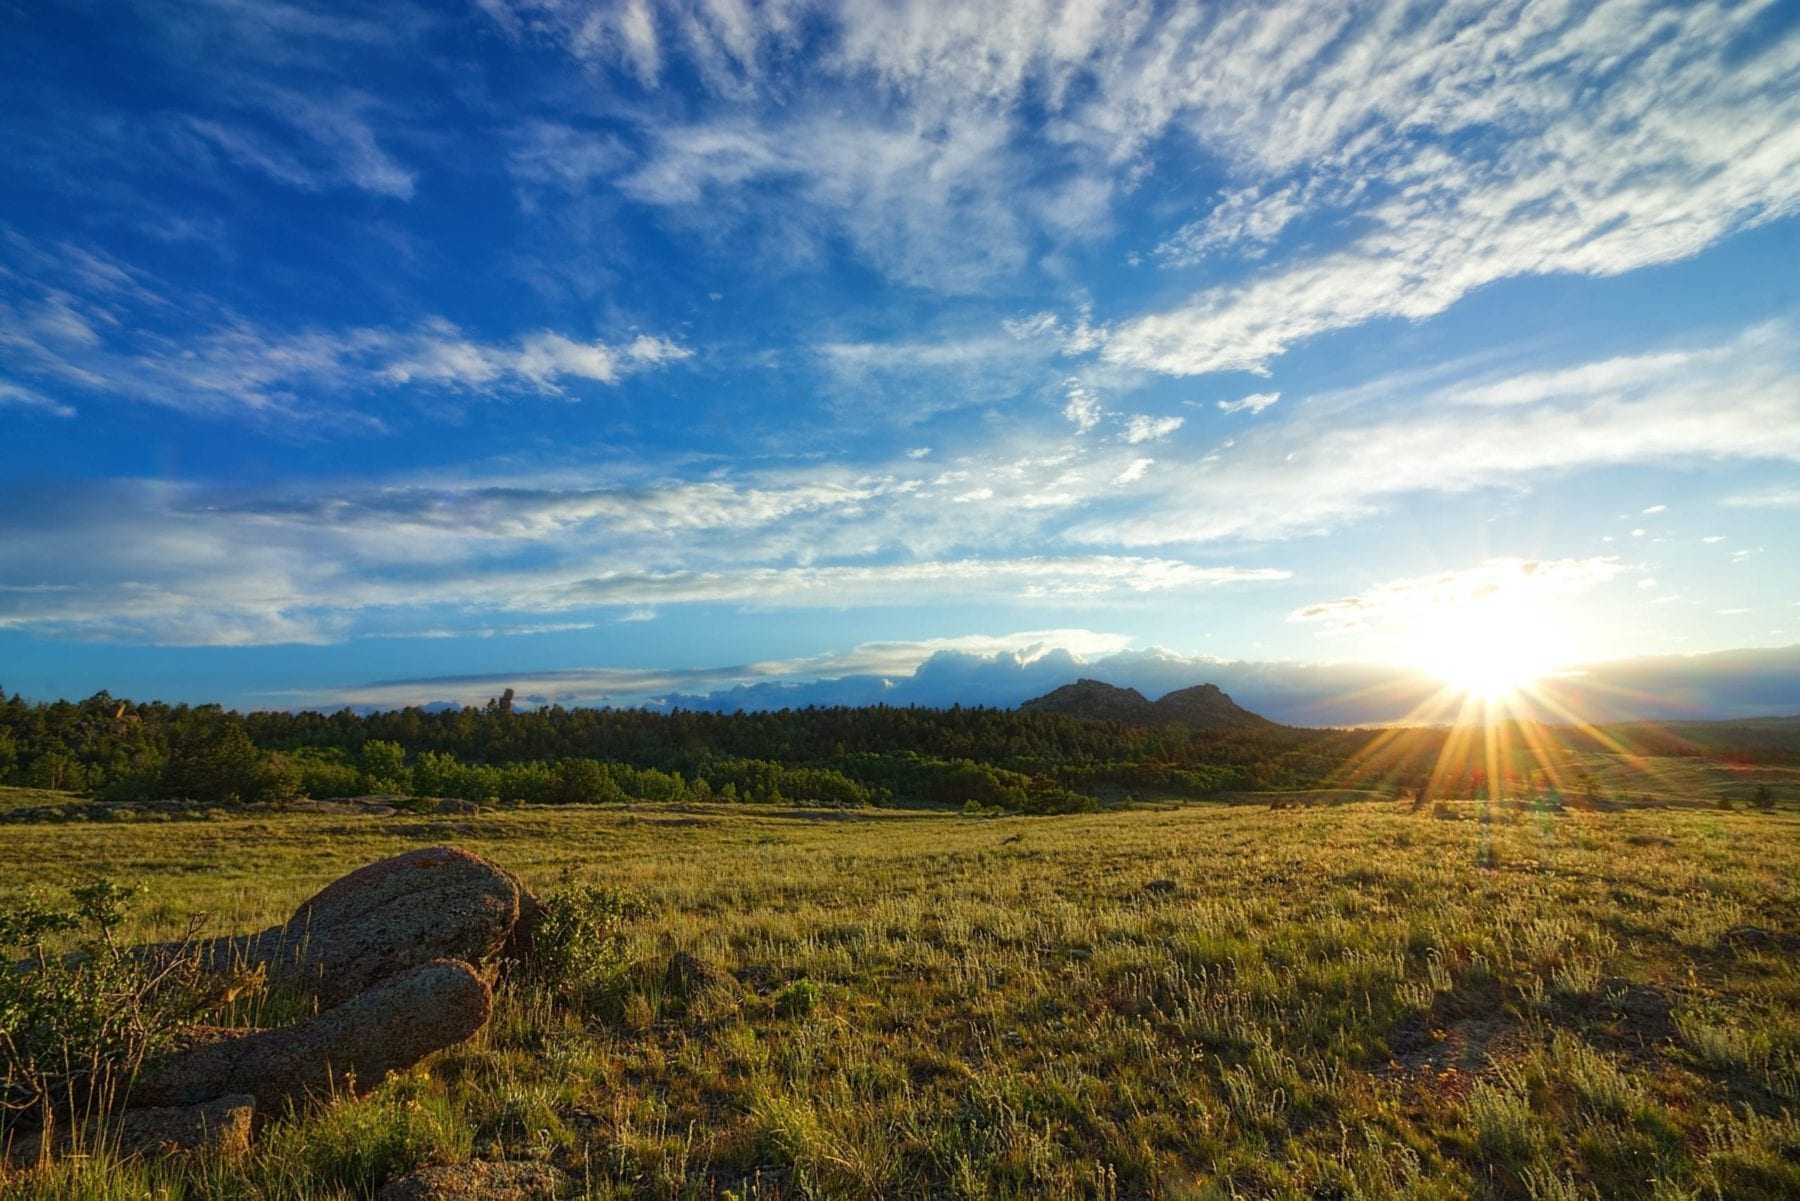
[1205, 706]
[1095, 700]
[1202, 706]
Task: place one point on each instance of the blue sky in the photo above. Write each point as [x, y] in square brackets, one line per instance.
[350, 352]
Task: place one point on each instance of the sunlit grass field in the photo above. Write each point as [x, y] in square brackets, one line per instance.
[1212, 1000]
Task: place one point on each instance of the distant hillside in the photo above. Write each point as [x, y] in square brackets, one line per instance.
[1200, 707]
[1205, 707]
[1096, 701]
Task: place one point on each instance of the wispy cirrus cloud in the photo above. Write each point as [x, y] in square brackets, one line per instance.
[166, 563]
[80, 319]
[1614, 135]
[1690, 138]
[1254, 403]
[1335, 461]
[1767, 498]
[1505, 581]
[25, 398]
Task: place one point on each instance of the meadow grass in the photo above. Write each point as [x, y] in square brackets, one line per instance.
[1187, 1002]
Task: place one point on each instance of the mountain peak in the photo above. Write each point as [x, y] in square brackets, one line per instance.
[1095, 700]
[1203, 706]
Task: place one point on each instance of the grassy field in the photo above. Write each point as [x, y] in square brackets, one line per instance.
[1200, 1001]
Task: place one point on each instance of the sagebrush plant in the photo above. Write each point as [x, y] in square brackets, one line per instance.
[577, 944]
[80, 1013]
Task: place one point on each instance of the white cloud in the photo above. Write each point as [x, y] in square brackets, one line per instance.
[1254, 403]
[25, 398]
[1059, 578]
[161, 563]
[1504, 581]
[223, 362]
[912, 378]
[1030, 327]
[545, 356]
[1615, 134]
[1083, 407]
[328, 140]
[1656, 509]
[1691, 137]
[891, 658]
[1770, 498]
[1134, 472]
[935, 207]
[1144, 428]
[548, 153]
[1245, 221]
[1335, 461]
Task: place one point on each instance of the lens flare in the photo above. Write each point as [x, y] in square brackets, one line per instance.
[1487, 652]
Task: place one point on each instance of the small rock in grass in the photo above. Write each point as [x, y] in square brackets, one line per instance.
[759, 977]
[688, 976]
[476, 1181]
[1757, 938]
[220, 1126]
[1644, 1009]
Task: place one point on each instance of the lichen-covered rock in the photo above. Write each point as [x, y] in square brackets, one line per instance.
[439, 902]
[349, 1049]
[221, 1126]
[435, 903]
[477, 1181]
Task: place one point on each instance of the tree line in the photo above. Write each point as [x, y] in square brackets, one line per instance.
[123, 750]
[118, 749]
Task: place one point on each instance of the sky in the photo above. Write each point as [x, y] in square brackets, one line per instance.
[387, 353]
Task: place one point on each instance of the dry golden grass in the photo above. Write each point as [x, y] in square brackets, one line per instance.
[1199, 1001]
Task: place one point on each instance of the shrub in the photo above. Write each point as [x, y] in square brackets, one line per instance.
[797, 999]
[77, 1024]
[577, 946]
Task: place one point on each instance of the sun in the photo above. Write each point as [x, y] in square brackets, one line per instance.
[1486, 651]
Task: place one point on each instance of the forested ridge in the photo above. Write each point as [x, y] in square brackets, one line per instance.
[1017, 760]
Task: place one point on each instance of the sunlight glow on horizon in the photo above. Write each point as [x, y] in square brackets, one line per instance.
[1489, 650]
